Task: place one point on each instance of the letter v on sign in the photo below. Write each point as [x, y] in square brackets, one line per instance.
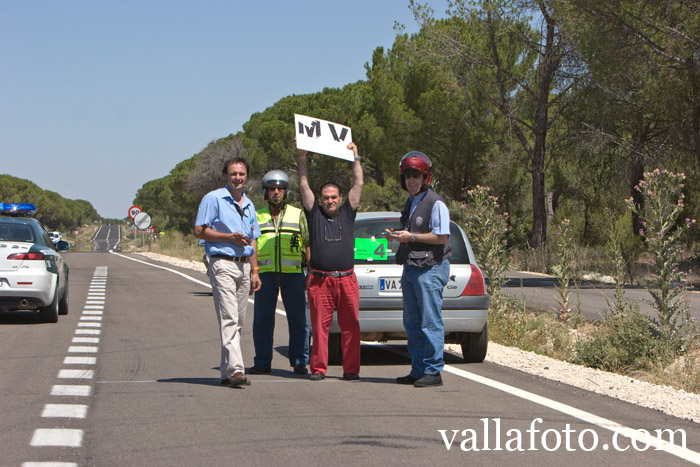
[343, 133]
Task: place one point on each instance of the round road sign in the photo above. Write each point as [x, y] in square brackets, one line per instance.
[142, 220]
[133, 210]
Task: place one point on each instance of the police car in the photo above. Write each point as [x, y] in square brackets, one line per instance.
[33, 275]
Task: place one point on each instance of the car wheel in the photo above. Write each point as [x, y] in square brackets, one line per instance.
[335, 350]
[63, 304]
[49, 314]
[475, 344]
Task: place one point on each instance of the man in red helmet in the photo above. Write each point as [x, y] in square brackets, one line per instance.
[424, 252]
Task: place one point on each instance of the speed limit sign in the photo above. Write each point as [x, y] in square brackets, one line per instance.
[133, 210]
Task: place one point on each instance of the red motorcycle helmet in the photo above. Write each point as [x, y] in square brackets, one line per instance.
[419, 162]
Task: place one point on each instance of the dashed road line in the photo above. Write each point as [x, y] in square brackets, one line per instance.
[79, 361]
[72, 390]
[82, 349]
[91, 318]
[76, 374]
[61, 437]
[65, 410]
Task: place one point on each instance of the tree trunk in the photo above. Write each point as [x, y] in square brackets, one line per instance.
[695, 124]
[539, 212]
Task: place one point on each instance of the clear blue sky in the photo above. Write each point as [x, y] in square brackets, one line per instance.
[97, 97]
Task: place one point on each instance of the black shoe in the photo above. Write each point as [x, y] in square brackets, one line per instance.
[351, 376]
[429, 381]
[239, 380]
[258, 370]
[408, 379]
[300, 369]
[317, 377]
[225, 381]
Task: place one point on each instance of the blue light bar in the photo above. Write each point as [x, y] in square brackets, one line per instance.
[17, 209]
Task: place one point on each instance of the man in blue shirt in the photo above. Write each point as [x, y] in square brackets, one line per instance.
[424, 251]
[227, 223]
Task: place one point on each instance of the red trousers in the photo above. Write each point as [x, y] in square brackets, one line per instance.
[325, 295]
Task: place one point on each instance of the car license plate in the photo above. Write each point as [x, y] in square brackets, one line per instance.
[389, 284]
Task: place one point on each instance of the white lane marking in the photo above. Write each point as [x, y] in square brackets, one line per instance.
[94, 302]
[79, 361]
[89, 325]
[65, 410]
[89, 318]
[86, 340]
[71, 390]
[93, 312]
[121, 382]
[82, 349]
[676, 450]
[88, 332]
[57, 437]
[49, 464]
[94, 307]
[76, 374]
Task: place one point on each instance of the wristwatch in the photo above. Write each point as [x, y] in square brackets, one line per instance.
[413, 239]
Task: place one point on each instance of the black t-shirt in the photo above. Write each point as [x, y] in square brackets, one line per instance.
[332, 240]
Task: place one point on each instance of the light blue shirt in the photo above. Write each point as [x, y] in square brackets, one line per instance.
[439, 215]
[220, 212]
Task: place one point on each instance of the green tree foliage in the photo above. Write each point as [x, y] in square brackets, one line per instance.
[53, 210]
[525, 73]
[651, 46]
[642, 90]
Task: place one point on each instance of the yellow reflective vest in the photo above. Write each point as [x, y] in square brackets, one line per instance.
[280, 244]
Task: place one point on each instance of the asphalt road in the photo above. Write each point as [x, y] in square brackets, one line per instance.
[152, 397]
[107, 238]
[591, 297]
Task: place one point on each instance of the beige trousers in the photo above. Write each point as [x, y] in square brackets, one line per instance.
[230, 283]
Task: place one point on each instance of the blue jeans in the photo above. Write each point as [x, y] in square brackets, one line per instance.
[294, 299]
[422, 316]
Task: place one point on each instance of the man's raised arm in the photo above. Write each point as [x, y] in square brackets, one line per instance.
[307, 196]
[357, 179]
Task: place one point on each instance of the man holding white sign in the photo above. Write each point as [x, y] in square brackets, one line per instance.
[332, 283]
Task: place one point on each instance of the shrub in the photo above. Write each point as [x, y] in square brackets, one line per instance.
[487, 228]
[663, 206]
[622, 343]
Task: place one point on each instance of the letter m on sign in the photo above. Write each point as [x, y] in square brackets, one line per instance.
[310, 129]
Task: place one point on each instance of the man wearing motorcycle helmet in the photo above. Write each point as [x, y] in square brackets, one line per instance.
[424, 252]
[282, 252]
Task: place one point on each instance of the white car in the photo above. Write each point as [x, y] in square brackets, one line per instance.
[33, 275]
[55, 237]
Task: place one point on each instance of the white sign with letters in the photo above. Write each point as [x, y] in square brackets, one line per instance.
[323, 137]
